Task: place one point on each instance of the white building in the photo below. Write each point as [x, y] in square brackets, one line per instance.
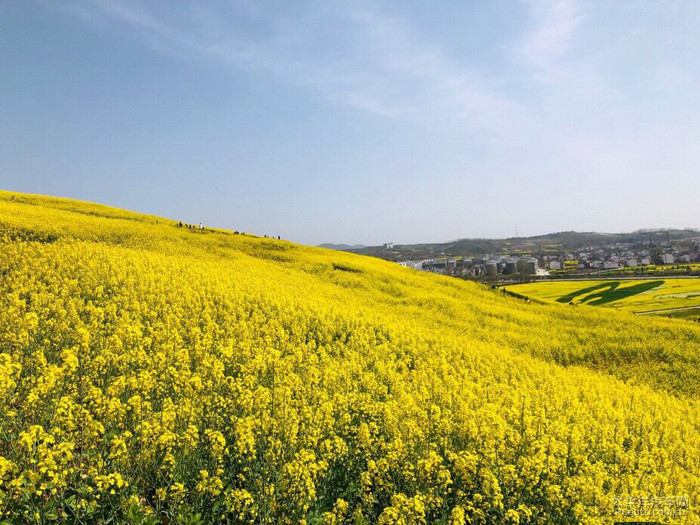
[527, 265]
[667, 258]
[554, 265]
[610, 265]
[645, 261]
[631, 262]
[388, 245]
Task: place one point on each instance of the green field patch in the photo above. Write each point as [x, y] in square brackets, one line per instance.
[571, 296]
[604, 293]
[618, 293]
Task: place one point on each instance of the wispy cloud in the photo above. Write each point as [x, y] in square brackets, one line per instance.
[554, 23]
[351, 54]
[558, 52]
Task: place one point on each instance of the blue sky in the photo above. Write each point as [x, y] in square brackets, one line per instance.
[359, 122]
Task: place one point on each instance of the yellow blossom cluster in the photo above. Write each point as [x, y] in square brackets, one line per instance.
[151, 372]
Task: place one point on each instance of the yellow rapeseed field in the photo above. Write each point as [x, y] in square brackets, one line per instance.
[151, 373]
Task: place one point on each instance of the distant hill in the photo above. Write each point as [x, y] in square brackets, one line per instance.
[541, 244]
[342, 247]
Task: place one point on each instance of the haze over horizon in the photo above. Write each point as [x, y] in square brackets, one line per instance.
[362, 122]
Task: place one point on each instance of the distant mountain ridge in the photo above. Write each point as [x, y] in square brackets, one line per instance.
[540, 244]
[342, 247]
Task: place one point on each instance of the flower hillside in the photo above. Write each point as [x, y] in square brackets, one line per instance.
[161, 374]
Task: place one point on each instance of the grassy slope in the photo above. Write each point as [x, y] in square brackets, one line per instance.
[530, 355]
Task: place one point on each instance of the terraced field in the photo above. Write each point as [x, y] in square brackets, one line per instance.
[643, 295]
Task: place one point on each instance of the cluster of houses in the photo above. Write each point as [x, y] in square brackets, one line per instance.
[612, 258]
[608, 257]
[480, 266]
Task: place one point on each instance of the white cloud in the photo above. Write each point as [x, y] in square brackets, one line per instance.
[555, 22]
[356, 56]
[545, 44]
